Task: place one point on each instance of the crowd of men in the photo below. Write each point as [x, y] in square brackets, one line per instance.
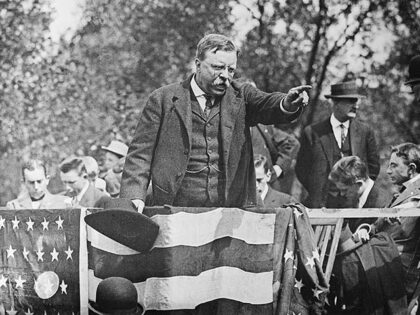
[213, 141]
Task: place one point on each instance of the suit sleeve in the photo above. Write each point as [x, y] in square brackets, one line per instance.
[304, 158]
[136, 172]
[264, 107]
[372, 155]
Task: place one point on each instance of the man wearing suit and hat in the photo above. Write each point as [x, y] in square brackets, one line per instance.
[115, 154]
[82, 192]
[324, 143]
[36, 195]
[193, 140]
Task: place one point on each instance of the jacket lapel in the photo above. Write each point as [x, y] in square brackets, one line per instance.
[327, 141]
[355, 138]
[411, 191]
[229, 107]
[182, 105]
[25, 201]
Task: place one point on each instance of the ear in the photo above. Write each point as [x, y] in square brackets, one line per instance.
[359, 182]
[47, 179]
[413, 168]
[197, 64]
[268, 175]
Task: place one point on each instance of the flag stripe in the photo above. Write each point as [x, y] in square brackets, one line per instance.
[103, 242]
[195, 229]
[190, 261]
[185, 292]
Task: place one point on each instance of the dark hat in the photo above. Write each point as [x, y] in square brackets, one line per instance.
[116, 295]
[345, 90]
[413, 71]
[121, 222]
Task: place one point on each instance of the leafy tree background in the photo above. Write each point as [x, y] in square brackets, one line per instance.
[73, 96]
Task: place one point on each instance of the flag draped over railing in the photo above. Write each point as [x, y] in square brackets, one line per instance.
[40, 270]
[218, 261]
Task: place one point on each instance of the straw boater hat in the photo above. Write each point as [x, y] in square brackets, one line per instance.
[413, 71]
[344, 90]
[116, 296]
[117, 147]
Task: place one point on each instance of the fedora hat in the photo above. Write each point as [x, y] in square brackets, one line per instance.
[347, 89]
[413, 71]
[121, 222]
[116, 147]
[116, 296]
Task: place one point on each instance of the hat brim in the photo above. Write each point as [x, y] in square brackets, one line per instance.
[112, 151]
[412, 81]
[130, 228]
[94, 309]
[345, 96]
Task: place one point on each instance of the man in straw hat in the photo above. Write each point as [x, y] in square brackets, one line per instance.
[324, 143]
[115, 154]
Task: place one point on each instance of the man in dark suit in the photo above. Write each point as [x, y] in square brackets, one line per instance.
[271, 198]
[36, 195]
[324, 143]
[193, 140]
[82, 192]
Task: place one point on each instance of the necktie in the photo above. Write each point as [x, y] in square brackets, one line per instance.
[209, 105]
[343, 135]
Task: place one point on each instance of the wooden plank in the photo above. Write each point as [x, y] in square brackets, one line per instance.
[333, 249]
[325, 213]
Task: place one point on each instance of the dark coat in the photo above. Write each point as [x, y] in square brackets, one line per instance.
[316, 157]
[275, 199]
[161, 145]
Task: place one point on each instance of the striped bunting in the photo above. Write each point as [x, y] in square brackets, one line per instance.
[197, 258]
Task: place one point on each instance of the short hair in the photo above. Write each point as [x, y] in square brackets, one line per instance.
[91, 165]
[348, 170]
[73, 163]
[33, 164]
[261, 160]
[409, 152]
[213, 43]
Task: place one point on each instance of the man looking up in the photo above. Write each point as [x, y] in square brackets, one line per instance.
[324, 143]
[36, 195]
[193, 140]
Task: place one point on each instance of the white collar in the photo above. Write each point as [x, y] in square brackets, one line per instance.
[82, 192]
[363, 197]
[335, 123]
[264, 192]
[196, 89]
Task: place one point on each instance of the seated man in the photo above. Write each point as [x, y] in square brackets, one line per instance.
[36, 195]
[271, 198]
[115, 155]
[83, 193]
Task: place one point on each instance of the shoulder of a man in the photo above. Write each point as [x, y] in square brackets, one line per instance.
[13, 204]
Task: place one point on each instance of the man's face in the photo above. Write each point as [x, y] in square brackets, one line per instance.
[73, 181]
[111, 160]
[397, 170]
[345, 108]
[35, 182]
[415, 88]
[262, 178]
[349, 191]
[215, 72]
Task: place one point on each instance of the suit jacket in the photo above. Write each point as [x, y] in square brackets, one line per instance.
[49, 201]
[315, 159]
[93, 197]
[275, 199]
[161, 144]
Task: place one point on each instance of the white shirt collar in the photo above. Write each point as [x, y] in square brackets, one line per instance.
[363, 197]
[196, 89]
[335, 123]
[82, 192]
[264, 192]
[412, 180]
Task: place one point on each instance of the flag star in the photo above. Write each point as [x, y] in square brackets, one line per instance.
[59, 223]
[297, 213]
[311, 262]
[10, 252]
[288, 255]
[29, 312]
[26, 253]
[3, 281]
[69, 252]
[30, 224]
[40, 253]
[45, 224]
[317, 293]
[54, 255]
[1, 222]
[315, 254]
[63, 287]
[12, 311]
[20, 282]
[299, 284]
[15, 223]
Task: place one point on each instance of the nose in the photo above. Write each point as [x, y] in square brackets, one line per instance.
[225, 73]
[388, 171]
[37, 185]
